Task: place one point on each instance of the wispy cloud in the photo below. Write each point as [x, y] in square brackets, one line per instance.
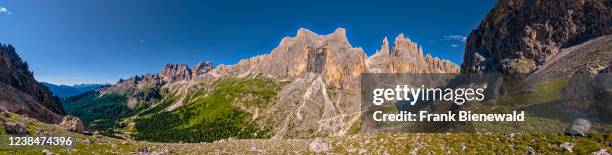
[455, 37]
[4, 10]
[455, 40]
[142, 42]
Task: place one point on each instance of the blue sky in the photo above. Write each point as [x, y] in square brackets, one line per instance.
[100, 41]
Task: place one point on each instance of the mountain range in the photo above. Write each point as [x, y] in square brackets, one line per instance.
[66, 91]
[311, 83]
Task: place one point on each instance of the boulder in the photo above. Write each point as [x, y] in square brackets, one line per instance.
[15, 128]
[530, 151]
[144, 150]
[601, 152]
[73, 124]
[580, 127]
[47, 152]
[319, 146]
[566, 147]
[4, 112]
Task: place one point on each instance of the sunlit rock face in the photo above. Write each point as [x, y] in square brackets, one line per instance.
[407, 57]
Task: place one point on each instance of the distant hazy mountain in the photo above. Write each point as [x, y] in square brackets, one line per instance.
[65, 91]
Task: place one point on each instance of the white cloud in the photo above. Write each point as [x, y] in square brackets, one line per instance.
[455, 37]
[454, 45]
[4, 10]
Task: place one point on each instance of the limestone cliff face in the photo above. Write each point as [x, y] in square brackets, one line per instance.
[519, 36]
[175, 72]
[329, 55]
[333, 57]
[406, 57]
[21, 93]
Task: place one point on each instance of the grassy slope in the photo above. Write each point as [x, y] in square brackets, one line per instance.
[101, 113]
[163, 104]
[212, 117]
[103, 145]
[207, 116]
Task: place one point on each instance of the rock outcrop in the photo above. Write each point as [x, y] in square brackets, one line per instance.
[21, 93]
[519, 36]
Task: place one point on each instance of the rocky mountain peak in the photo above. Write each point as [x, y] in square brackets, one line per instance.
[201, 69]
[339, 33]
[175, 72]
[305, 33]
[338, 38]
[406, 57]
[400, 37]
[305, 37]
[329, 55]
[378, 62]
[12, 61]
[385, 45]
[520, 36]
[170, 73]
[404, 47]
[384, 49]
